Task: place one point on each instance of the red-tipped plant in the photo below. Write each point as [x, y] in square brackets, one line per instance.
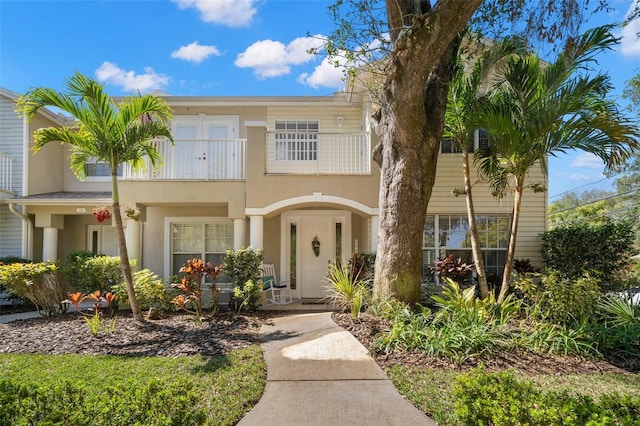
[75, 299]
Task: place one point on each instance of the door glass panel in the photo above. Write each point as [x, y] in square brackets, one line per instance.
[292, 256]
[186, 132]
[338, 242]
[218, 132]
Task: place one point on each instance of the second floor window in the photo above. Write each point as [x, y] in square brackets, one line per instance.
[296, 140]
[99, 169]
[480, 140]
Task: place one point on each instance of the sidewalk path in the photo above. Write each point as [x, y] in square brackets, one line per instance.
[319, 374]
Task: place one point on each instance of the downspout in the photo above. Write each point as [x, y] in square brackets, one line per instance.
[27, 234]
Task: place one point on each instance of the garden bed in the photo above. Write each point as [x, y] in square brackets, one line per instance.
[174, 334]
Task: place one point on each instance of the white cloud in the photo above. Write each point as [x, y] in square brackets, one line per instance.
[232, 13]
[326, 75]
[129, 80]
[587, 161]
[195, 52]
[580, 177]
[270, 58]
[630, 44]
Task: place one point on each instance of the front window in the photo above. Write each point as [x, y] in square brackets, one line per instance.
[453, 237]
[296, 140]
[207, 241]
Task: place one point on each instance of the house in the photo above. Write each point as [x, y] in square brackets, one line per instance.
[270, 172]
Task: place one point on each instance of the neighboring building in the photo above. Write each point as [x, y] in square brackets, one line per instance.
[269, 172]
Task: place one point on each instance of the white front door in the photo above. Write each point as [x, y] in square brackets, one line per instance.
[332, 229]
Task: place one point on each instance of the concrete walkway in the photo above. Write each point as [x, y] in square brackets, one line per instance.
[319, 374]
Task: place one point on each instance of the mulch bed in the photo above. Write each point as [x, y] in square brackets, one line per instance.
[174, 334]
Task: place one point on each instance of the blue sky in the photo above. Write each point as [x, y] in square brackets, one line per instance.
[219, 48]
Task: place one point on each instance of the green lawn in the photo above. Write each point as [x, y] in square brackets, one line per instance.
[115, 390]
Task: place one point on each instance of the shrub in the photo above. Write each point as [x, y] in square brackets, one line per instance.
[148, 288]
[241, 266]
[602, 248]
[87, 272]
[75, 403]
[248, 295]
[558, 298]
[39, 283]
[499, 399]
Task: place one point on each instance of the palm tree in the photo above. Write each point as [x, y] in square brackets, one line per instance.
[109, 132]
[462, 104]
[545, 109]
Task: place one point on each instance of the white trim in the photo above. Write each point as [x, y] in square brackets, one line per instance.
[317, 197]
[26, 138]
[257, 123]
[168, 220]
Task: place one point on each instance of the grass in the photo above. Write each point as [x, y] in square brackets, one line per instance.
[431, 390]
[225, 387]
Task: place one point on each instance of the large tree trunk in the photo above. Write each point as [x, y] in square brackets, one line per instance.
[476, 247]
[409, 123]
[122, 246]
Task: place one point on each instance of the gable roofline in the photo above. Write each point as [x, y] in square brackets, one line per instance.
[59, 119]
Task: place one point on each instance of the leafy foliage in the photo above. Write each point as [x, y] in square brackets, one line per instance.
[456, 269]
[346, 288]
[86, 271]
[463, 328]
[601, 248]
[241, 266]
[248, 294]
[190, 285]
[40, 283]
[150, 290]
[500, 399]
[557, 298]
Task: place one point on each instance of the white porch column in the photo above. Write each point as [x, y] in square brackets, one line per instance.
[374, 233]
[239, 234]
[132, 238]
[256, 232]
[50, 244]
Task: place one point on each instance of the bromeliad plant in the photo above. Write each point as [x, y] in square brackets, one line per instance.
[95, 322]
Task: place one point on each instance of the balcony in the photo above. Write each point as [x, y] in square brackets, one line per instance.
[209, 159]
[314, 153]
[6, 172]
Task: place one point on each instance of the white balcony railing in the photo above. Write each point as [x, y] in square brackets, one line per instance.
[318, 153]
[6, 172]
[211, 159]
